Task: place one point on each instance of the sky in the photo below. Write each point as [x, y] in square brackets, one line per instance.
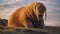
[53, 9]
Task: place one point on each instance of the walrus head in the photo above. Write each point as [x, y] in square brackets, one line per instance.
[39, 9]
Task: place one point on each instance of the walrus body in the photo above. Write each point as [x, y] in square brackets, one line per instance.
[28, 16]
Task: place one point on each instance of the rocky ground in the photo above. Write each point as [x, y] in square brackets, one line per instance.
[18, 30]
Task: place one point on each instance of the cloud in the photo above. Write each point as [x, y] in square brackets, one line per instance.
[5, 13]
[9, 6]
[10, 1]
[52, 24]
[4, 16]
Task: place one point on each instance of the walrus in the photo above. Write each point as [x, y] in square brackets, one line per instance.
[30, 16]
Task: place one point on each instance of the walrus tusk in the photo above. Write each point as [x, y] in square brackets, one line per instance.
[45, 15]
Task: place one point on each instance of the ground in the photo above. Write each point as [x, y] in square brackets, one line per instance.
[18, 30]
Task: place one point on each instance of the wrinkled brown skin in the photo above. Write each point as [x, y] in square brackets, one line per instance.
[26, 16]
